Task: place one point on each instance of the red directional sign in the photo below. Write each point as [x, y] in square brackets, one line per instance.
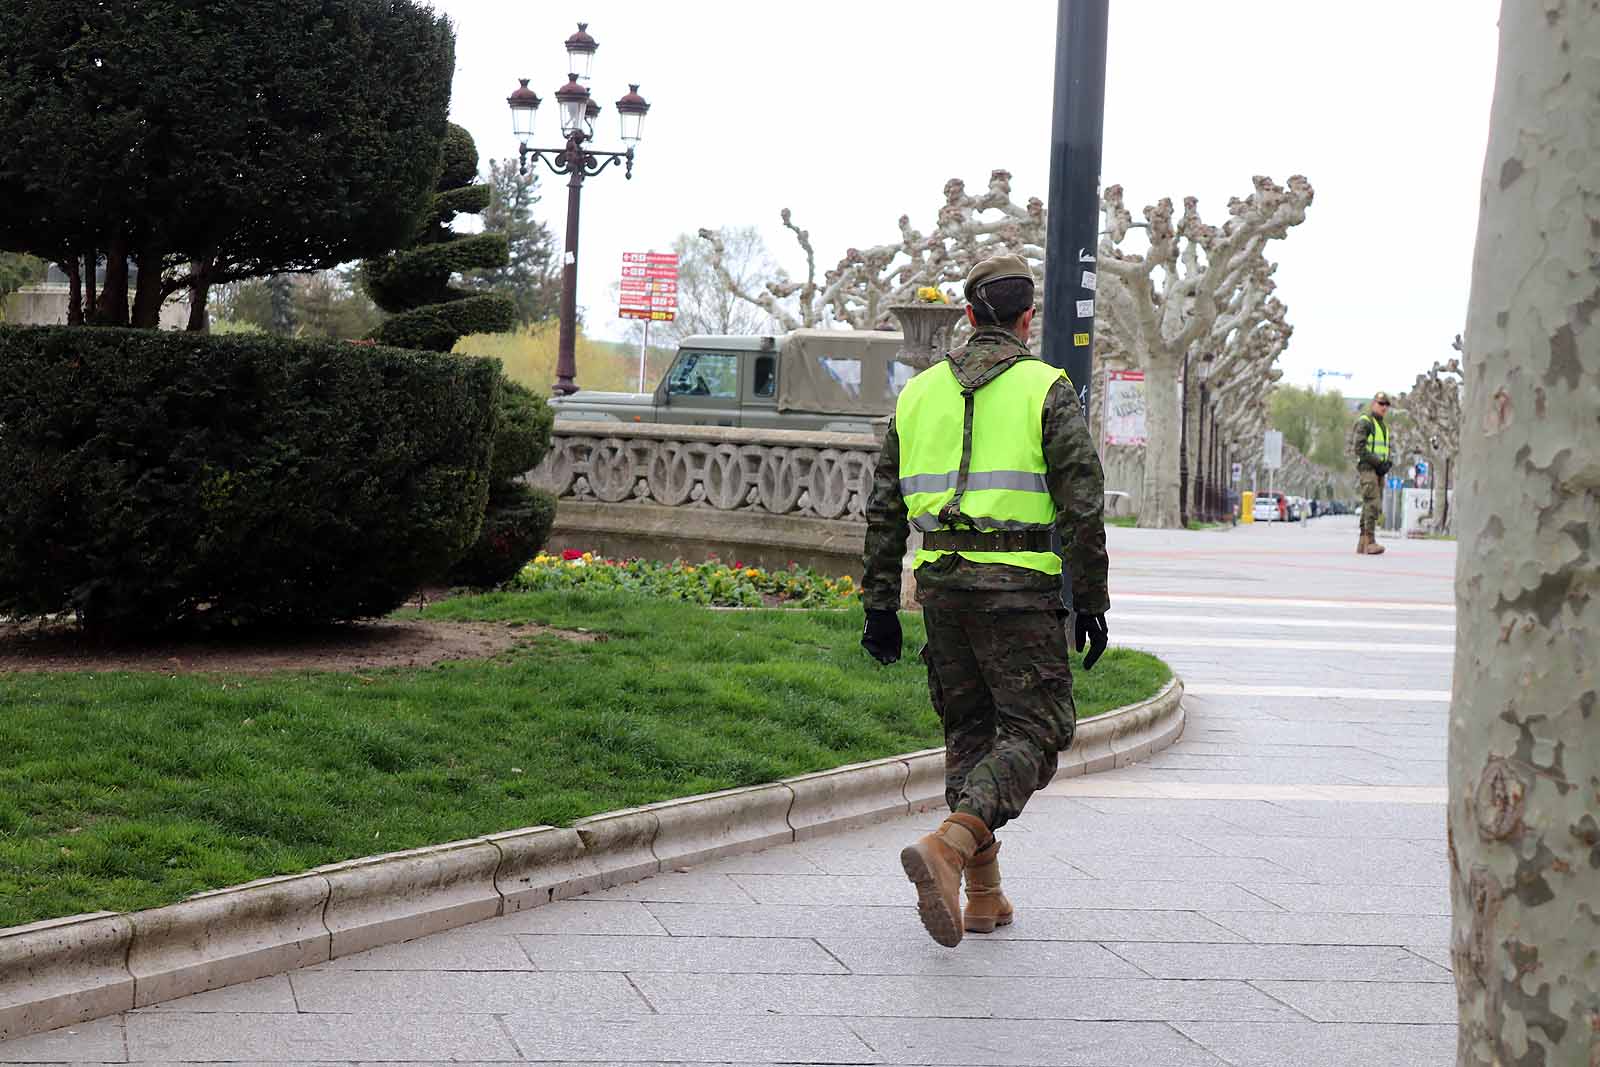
[649, 288]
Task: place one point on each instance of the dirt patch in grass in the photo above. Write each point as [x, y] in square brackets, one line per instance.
[352, 647]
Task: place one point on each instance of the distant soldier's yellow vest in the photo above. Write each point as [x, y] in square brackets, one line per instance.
[1006, 488]
[1377, 439]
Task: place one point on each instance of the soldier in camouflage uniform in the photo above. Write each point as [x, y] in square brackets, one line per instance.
[1369, 444]
[996, 654]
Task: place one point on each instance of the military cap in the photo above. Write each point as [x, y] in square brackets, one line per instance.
[1381, 398]
[992, 270]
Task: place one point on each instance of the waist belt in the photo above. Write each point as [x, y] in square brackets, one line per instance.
[987, 541]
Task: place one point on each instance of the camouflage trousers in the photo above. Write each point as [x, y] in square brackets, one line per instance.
[1002, 686]
[1371, 500]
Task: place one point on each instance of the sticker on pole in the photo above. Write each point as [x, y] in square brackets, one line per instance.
[1080, 340]
[1089, 280]
[1086, 309]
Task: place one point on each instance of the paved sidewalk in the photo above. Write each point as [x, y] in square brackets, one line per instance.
[1272, 891]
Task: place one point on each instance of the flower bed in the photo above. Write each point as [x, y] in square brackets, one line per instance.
[712, 583]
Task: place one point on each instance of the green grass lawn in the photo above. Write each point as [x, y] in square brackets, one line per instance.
[126, 791]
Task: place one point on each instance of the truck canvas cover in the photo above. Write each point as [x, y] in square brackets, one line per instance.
[844, 372]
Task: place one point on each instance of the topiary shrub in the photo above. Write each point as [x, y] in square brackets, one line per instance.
[413, 284]
[515, 527]
[157, 480]
[519, 517]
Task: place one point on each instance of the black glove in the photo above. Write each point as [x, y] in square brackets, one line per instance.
[1092, 627]
[882, 636]
[1383, 467]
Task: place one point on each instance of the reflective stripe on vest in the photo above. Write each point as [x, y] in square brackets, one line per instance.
[1005, 487]
[1378, 439]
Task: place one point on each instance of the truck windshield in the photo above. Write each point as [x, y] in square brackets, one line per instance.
[705, 374]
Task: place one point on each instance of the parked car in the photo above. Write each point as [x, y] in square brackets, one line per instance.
[1266, 509]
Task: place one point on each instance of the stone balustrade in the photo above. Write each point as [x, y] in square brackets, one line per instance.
[790, 473]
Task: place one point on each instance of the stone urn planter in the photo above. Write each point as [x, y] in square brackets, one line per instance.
[925, 326]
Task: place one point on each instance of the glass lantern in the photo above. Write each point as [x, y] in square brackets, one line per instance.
[632, 108]
[524, 106]
[580, 52]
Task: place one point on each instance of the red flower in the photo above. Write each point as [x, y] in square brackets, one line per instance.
[571, 553]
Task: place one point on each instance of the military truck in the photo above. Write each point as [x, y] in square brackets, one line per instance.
[838, 380]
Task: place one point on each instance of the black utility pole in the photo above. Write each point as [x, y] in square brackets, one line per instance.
[1073, 232]
[1076, 133]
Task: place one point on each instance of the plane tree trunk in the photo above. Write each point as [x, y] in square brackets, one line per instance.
[1524, 758]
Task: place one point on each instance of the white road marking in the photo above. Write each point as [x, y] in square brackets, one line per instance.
[1208, 689]
[1123, 619]
[1095, 786]
[1285, 643]
[1283, 602]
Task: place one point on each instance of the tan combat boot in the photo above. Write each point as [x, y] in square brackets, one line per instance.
[934, 865]
[1361, 544]
[1373, 548]
[987, 906]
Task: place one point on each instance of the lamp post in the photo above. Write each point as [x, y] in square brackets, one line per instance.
[1202, 501]
[577, 162]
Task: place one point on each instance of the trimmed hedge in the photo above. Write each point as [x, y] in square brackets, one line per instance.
[519, 518]
[154, 480]
[515, 527]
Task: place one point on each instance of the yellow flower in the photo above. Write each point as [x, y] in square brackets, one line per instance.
[845, 581]
[929, 294]
[751, 572]
[588, 557]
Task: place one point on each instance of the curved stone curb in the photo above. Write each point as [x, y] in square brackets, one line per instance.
[396, 897]
[228, 936]
[63, 971]
[828, 801]
[66, 971]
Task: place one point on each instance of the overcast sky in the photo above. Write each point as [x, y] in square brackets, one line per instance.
[851, 113]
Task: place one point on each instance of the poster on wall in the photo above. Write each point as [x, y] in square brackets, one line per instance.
[1125, 408]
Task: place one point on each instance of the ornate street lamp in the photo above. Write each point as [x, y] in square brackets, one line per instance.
[578, 111]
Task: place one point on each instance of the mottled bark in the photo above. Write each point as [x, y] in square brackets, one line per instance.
[1158, 498]
[1525, 716]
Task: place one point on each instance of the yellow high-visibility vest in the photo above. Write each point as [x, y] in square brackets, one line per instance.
[1377, 438]
[1005, 486]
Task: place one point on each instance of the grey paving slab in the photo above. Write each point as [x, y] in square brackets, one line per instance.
[1437, 950]
[100, 1041]
[1353, 899]
[683, 1039]
[1325, 1044]
[455, 950]
[1023, 858]
[408, 1036]
[1039, 892]
[462, 993]
[1001, 1043]
[688, 955]
[772, 861]
[582, 915]
[1313, 929]
[980, 956]
[1367, 1002]
[1189, 869]
[900, 922]
[263, 995]
[936, 996]
[696, 887]
[1360, 963]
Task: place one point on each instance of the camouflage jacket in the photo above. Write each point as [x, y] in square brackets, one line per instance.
[1077, 485]
[1358, 444]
